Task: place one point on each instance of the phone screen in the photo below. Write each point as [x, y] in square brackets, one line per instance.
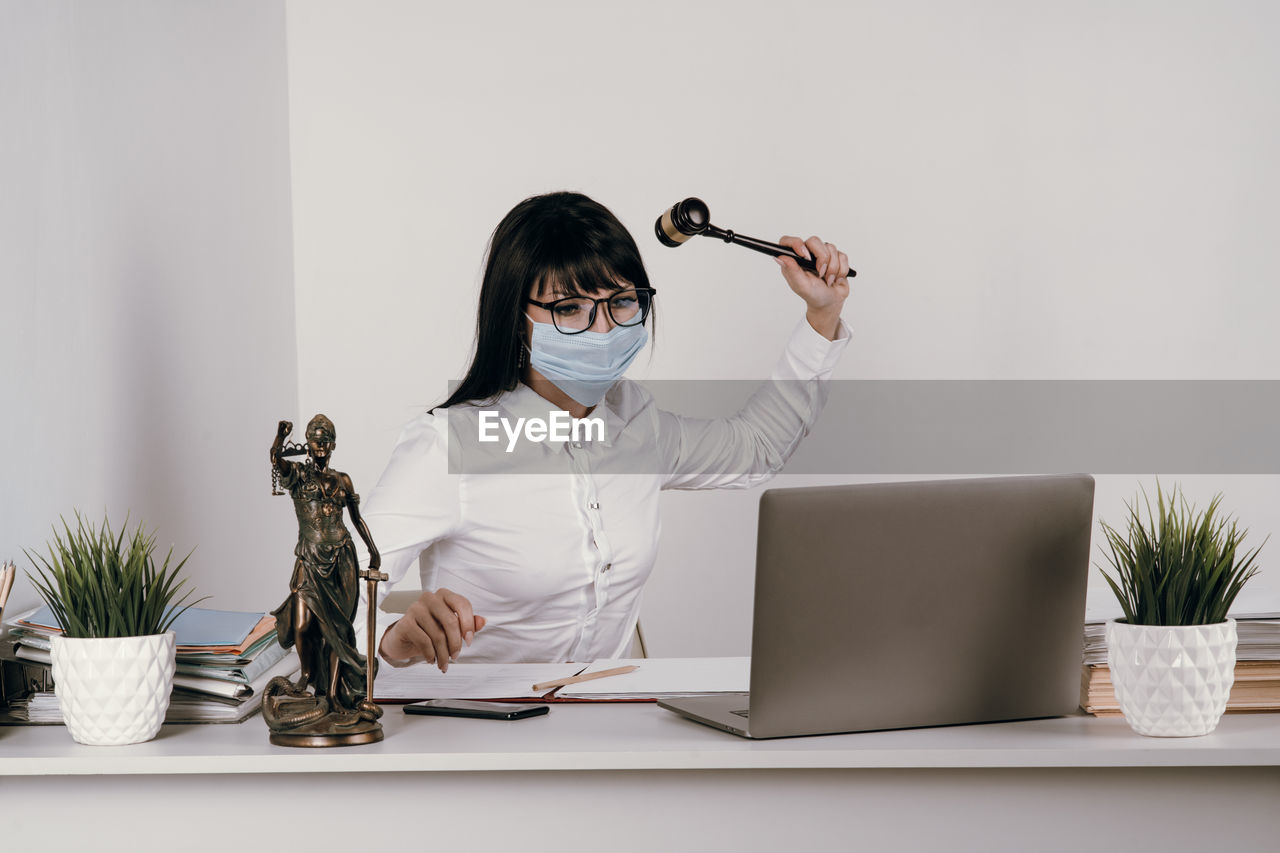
[480, 710]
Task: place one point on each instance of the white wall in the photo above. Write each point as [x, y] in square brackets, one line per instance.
[1029, 190]
[146, 280]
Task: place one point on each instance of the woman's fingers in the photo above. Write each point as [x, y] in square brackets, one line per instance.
[438, 625]
[466, 619]
[434, 645]
[412, 636]
[819, 251]
[450, 628]
[795, 244]
[800, 279]
[832, 264]
[421, 628]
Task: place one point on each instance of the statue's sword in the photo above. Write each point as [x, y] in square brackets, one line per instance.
[372, 577]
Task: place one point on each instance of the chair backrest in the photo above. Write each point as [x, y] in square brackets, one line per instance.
[398, 601]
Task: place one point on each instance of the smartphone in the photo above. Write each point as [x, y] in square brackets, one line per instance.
[480, 710]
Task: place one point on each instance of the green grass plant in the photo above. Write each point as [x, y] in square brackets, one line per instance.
[102, 584]
[1179, 567]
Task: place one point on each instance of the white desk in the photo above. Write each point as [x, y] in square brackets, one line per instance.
[644, 778]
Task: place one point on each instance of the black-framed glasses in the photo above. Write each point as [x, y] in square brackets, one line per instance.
[575, 314]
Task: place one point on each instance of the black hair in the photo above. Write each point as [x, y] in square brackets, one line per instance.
[563, 241]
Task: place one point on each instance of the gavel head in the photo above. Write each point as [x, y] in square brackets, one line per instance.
[685, 219]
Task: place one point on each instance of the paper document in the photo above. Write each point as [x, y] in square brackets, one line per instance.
[663, 678]
[467, 680]
[1257, 638]
[195, 626]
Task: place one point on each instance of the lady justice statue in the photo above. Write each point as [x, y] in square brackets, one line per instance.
[323, 593]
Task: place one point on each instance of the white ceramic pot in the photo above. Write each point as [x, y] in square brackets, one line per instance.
[1172, 680]
[113, 690]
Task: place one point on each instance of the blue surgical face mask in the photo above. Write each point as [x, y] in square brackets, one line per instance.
[584, 365]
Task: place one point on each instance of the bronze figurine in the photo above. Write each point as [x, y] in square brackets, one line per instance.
[323, 595]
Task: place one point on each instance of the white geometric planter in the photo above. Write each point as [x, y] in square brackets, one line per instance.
[1172, 680]
[113, 690]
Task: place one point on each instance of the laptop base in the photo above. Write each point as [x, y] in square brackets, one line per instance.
[725, 711]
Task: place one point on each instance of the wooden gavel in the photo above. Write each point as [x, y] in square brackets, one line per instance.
[691, 217]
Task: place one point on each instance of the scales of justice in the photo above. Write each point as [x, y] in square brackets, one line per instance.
[331, 704]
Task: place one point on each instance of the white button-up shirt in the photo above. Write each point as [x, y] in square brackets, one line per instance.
[555, 560]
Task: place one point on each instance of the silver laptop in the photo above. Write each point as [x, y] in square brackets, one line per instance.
[929, 603]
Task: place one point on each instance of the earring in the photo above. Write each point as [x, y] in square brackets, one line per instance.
[522, 360]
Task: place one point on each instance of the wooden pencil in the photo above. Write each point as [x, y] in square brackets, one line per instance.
[561, 682]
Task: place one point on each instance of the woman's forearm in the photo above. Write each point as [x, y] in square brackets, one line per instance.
[825, 322]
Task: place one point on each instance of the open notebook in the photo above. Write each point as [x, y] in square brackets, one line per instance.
[655, 678]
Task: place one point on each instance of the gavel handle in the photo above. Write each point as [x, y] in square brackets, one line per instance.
[764, 247]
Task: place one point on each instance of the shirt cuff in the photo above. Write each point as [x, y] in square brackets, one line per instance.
[810, 354]
[383, 621]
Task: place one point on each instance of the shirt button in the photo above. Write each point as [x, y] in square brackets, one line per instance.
[578, 444]
[594, 505]
[607, 567]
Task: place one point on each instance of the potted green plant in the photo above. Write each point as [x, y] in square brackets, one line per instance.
[113, 663]
[1173, 654]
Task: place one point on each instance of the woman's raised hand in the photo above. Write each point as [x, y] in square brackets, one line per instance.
[434, 629]
[824, 293]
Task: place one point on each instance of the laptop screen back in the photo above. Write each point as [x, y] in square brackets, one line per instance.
[893, 605]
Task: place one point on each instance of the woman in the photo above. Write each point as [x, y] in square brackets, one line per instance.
[551, 566]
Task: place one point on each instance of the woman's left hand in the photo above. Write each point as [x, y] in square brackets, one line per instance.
[824, 293]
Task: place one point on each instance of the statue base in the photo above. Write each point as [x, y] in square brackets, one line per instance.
[323, 734]
[297, 718]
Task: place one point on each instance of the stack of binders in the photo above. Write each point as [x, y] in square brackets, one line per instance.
[1257, 676]
[224, 660]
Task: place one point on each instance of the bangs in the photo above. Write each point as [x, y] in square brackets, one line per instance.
[577, 247]
[579, 277]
